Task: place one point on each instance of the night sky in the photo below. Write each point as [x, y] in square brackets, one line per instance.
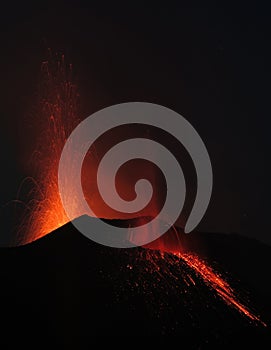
[211, 65]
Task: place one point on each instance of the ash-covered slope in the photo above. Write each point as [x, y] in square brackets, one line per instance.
[67, 289]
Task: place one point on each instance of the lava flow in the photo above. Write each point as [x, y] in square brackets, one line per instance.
[175, 257]
[217, 283]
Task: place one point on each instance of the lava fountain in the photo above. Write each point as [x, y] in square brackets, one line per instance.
[57, 114]
[44, 213]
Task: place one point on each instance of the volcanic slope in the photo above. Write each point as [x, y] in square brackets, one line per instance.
[67, 289]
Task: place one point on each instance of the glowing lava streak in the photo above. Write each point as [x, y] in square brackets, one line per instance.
[217, 283]
[171, 244]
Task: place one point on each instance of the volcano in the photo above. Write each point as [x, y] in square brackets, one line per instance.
[66, 289]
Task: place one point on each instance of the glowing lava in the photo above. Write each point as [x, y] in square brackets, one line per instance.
[45, 213]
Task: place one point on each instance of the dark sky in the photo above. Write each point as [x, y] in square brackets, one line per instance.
[212, 65]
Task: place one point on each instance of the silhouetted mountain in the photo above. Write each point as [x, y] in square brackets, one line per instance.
[66, 289]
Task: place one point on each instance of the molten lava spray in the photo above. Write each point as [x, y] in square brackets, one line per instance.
[57, 114]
